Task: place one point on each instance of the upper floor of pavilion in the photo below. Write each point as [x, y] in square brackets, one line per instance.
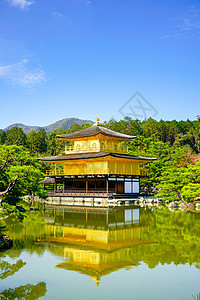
[96, 139]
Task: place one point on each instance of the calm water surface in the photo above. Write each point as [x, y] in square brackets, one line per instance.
[99, 253]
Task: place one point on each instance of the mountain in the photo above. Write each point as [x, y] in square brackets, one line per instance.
[25, 128]
[64, 124]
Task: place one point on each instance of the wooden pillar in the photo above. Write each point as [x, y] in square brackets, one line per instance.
[55, 170]
[86, 186]
[116, 185]
[139, 185]
[107, 186]
[63, 186]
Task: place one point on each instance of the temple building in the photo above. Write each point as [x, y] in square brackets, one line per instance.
[96, 164]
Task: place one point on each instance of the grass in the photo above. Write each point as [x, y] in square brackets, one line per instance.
[194, 298]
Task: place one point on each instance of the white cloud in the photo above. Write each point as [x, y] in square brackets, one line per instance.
[19, 74]
[21, 3]
[187, 24]
[57, 14]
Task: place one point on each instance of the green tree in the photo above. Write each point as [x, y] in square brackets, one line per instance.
[42, 140]
[2, 137]
[20, 172]
[75, 127]
[180, 182]
[16, 136]
[150, 128]
[33, 142]
[55, 146]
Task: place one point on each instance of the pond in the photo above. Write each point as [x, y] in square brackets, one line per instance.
[102, 253]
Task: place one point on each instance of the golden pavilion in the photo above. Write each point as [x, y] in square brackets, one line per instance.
[97, 164]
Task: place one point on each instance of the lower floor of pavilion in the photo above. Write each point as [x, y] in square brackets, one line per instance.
[92, 185]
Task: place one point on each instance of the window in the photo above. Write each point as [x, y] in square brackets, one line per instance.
[94, 146]
[102, 146]
[85, 145]
[78, 147]
[116, 147]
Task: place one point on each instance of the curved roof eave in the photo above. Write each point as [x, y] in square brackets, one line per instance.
[94, 130]
[91, 155]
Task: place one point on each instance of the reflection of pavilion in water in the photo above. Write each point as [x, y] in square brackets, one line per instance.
[98, 241]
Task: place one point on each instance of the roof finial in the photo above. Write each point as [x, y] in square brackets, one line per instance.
[97, 121]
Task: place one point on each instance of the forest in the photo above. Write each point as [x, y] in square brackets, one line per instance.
[175, 175]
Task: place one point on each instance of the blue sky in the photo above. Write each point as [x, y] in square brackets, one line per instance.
[87, 58]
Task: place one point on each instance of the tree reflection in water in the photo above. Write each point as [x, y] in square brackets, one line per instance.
[99, 241]
[28, 292]
[22, 239]
[7, 269]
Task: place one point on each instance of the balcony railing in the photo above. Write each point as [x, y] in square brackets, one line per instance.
[96, 172]
[54, 173]
[144, 173]
[112, 149]
[79, 192]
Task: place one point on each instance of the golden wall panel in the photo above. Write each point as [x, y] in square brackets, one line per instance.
[106, 165]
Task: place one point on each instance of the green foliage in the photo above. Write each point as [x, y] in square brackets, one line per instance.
[2, 137]
[180, 181]
[55, 146]
[165, 237]
[173, 175]
[37, 141]
[33, 142]
[75, 127]
[28, 292]
[8, 269]
[12, 211]
[194, 298]
[42, 140]
[24, 167]
[16, 136]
